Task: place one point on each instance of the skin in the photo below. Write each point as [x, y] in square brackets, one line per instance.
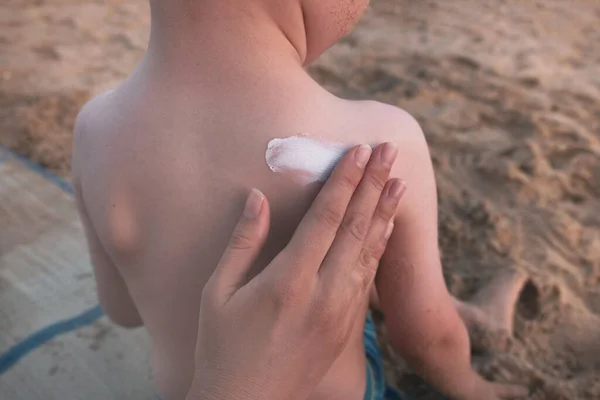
[299, 312]
[162, 165]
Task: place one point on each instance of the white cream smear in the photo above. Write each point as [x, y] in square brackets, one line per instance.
[304, 158]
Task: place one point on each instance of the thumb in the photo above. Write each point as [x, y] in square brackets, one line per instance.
[246, 242]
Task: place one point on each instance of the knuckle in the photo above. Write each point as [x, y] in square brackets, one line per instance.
[357, 225]
[366, 257]
[376, 181]
[240, 240]
[374, 248]
[362, 276]
[330, 216]
[378, 250]
[349, 181]
[385, 210]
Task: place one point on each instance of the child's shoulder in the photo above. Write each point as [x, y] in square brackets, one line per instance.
[380, 122]
[384, 122]
[95, 108]
[93, 118]
[389, 114]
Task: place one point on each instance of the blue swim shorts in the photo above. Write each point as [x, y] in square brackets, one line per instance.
[376, 387]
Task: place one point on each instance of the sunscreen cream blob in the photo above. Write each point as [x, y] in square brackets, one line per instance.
[304, 158]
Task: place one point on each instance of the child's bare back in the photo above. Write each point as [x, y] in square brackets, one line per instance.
[163, 187]
[163, 163]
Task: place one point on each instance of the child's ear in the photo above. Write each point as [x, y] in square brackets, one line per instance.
[327, 21]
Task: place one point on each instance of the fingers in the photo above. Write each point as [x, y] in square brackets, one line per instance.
[246, 242]
[381, 228]
[355, 264]
[318, 228]
[357, 222]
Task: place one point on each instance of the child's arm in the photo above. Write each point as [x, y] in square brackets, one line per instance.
[112, 291]
[423, 323]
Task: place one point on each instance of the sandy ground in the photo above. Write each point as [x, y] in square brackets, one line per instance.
[508, 94]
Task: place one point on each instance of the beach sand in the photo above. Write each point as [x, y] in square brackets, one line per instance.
[508, 95]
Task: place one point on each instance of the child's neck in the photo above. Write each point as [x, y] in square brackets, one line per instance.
[218, 41]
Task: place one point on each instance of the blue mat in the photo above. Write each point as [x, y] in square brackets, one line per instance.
[36, 339]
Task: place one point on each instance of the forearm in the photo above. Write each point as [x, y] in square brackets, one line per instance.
[442, 358]
[113, 294]
[425, 327]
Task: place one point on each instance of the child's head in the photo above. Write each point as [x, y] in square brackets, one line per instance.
[327, 21]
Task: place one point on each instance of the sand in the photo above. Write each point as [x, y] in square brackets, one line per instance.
[508, 94]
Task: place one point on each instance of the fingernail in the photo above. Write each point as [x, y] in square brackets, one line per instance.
[388, 154]
[253, 204]
[362, 155]
[397, 189]
[388, 231]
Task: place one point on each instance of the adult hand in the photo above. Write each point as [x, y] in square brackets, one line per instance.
[276, 336]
